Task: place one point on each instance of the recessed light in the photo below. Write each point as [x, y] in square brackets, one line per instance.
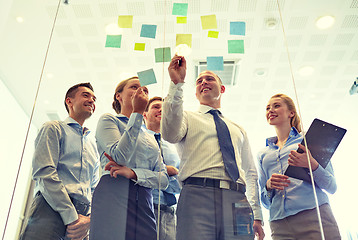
[306, 71]
[113, 29]
[260, 72]
[19, 19]
[325, 22]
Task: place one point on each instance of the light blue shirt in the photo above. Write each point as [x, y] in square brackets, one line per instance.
[65, 163]
[171, 158]
[129, 144]
[298, 196]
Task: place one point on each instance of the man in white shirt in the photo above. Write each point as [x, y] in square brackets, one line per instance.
[211, 205]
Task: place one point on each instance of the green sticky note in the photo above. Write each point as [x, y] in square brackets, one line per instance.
[213, 34]
[215, 63]
[209, 22]
[113, 41]
[180, 9]
[139, 46]
[162, 54]
[184, 39]
[235, 46]
[147, 77]
[181, 20]
[125, 21]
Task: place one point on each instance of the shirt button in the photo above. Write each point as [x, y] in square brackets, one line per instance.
[283, 196]
[278, 160]
[279, 171]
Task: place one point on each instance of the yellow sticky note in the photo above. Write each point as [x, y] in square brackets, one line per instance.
[181, 20]
[139, 46]
[125, 21]
[213, 34]
[209, 22]
[184, 39]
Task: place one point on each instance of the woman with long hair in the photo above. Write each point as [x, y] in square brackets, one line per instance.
[291, 201]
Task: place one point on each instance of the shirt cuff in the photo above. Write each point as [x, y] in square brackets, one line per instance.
[176, 90]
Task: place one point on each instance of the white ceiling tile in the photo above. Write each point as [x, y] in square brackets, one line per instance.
[297, 23]
[350, 21]
[318, 39]
[311, 56]
[88, 30]
[343, 39]
[247, 5]
[136, 8]
[108, 9]
[220, 5]
[336, 55]
[82, 10]
[64, 31]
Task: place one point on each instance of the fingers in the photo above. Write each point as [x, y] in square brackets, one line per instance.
[109, 157]
[279, 181]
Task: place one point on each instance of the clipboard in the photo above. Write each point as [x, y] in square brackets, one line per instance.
[322, 139]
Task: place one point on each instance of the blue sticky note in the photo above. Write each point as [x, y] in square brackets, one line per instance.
[215, 63]
[180, 9]
[147, 77]
[237, 28]
[148, 31]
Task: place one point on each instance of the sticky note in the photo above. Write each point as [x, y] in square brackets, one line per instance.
[147, 77]
[235, 46]
[213, 34]
[237, 28]
[162, 54]
[148, 31]
[209, 22]
[180, 9]
[139, 46]
[113, 41]
[215, 63]
[184, 39]
[181, 20]
[125, 21]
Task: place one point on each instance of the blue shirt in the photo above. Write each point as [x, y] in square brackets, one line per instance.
[298, 196]
[65, 163]
[129, 144]
[170, 158]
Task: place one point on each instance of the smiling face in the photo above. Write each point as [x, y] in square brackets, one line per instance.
[82, 105]
[278, 113]
[154, 115]
[209, 89]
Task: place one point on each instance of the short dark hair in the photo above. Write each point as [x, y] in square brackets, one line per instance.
[152, 100]
[73, 90]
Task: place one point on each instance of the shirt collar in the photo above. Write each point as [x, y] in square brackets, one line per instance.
[73, 123]
[206, 108]
[273, 140]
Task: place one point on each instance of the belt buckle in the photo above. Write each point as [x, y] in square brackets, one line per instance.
[224, 184]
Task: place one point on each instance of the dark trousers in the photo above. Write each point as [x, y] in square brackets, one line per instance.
[213, 214]
[44, 222]
[122, 210]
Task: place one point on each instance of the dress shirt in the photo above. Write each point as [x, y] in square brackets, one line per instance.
[130, 145]
[198, 145]
[171, 158]
[298, 196]
[65, 163]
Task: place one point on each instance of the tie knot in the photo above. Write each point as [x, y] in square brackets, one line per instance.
[157, 136]
[214, 112]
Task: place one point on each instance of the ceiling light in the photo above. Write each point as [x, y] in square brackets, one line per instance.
[49, 75]
[325, 22]
[182, 50]
[260, 72]
[113, 29]
[306, 71]
[19, 19]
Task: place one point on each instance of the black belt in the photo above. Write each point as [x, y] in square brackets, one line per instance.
[165, 208]
[215, 183]
[81, 207]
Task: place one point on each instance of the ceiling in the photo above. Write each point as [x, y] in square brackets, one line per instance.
[77, 54]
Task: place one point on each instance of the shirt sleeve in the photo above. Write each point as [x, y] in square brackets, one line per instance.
[249, 167]
[324, 178]
[119, 146]
[173, 125]
[44, 163]
[266, 195]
